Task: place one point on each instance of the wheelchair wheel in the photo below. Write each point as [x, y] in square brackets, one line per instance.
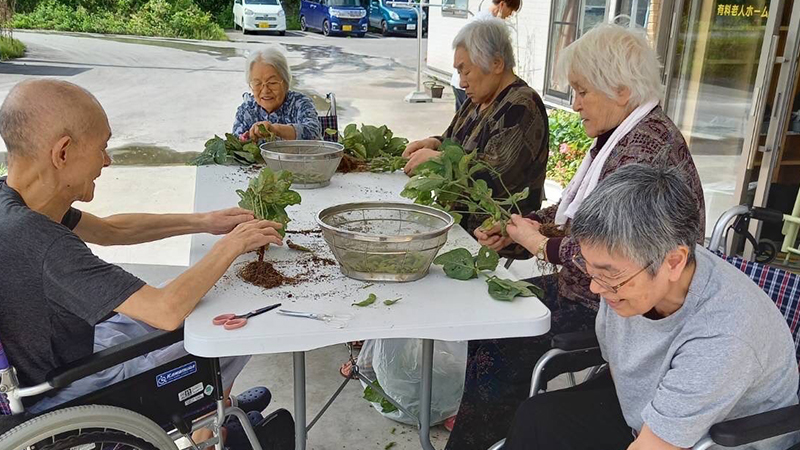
[765, 252]
[98, 440]
[54, 430]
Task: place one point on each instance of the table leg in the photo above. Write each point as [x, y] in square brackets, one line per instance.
[300, 400]
[425, 401]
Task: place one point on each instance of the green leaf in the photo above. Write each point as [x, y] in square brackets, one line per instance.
[457, 264]
[392, 302]
[390, 445]
[506, 290]
[487, 259]
[374, 397]
[370, 300]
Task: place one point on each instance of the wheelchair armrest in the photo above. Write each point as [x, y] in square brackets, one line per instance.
[758, 427]
[578, 340]
[81, 368]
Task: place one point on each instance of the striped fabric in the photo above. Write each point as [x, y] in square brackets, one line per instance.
[329, 122]
[783, 287]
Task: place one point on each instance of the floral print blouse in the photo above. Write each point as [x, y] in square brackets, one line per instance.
[297, 110]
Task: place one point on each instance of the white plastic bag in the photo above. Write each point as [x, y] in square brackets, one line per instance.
[397, 365]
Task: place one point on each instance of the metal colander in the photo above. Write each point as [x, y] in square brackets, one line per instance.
[384, 241]
[312, 163]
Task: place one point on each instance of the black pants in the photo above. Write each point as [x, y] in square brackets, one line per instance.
[585, 417]
[461, 97]
[499, 371]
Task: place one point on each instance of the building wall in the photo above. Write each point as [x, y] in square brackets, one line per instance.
[530, 29]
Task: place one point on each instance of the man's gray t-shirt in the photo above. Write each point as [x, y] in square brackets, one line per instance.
[726, 353]
[53, 289]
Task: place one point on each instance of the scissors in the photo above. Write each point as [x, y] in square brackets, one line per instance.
[233, 321]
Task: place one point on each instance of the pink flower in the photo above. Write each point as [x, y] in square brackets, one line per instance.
[563, 148]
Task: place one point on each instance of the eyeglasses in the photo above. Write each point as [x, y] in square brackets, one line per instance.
[580, 263]
[272, 86]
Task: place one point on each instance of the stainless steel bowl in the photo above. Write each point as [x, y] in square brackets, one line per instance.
[384, 241]
[313, 163]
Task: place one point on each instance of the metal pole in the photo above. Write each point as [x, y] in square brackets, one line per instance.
[300, 400]
[419, 46]
[425, 401]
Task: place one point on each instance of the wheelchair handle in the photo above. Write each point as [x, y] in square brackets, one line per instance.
[766, 215]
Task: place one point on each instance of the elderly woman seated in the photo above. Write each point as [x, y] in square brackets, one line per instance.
[614, 73]
[503, 118]
[689, 339]
[283, 112]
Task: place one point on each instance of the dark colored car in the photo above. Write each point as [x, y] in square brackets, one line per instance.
[395, 20]
[334, 17]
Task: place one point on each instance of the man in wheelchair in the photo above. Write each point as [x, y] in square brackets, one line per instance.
[689, 339]
[57, 298]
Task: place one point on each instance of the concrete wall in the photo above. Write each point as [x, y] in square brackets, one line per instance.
[530, 31]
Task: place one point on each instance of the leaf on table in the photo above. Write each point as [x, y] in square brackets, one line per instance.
[457, 264]
[506, 290]
[486, 259]
[392, 302]
[370, 300]
[390, 445]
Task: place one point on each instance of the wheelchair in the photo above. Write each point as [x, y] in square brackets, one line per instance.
[149, 411]
[575, 352]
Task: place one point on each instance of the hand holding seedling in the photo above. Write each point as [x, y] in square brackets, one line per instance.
[431, 143]
[418, 157]
[525, 232]
[493, 237]
[253, 235]
[225, 220]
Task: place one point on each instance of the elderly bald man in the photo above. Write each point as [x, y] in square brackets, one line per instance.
[55, 294]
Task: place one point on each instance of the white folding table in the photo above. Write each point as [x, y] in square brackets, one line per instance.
[435, 307]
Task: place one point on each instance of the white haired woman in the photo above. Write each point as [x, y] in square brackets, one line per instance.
[615, 76]
[503, 118]
[288, 114]
[690, 340]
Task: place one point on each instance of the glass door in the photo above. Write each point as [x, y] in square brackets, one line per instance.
[715, 52]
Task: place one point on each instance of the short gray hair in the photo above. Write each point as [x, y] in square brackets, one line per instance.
[641, 212]
[612, 57]
[271, 56]
[485, 40]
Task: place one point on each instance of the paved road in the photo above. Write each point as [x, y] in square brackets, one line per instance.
[175, 94]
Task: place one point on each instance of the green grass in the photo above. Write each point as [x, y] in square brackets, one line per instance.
[10, 48]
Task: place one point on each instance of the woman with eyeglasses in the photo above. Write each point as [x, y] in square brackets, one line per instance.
[288, 114]
[689, 339]
[614, 73]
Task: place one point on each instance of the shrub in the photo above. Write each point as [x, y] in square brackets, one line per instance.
[178, 18]
[10, 48]
[3, 170]
[568, 145]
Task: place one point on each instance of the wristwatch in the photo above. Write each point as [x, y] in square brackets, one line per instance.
[540, 254]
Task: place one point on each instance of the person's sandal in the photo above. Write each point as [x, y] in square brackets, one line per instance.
[346, 371]
[253, 399]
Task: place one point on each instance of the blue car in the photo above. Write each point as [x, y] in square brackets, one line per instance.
[395, 20]
[334, 17]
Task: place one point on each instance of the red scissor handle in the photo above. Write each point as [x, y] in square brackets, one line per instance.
[234, 324]
[223, 318]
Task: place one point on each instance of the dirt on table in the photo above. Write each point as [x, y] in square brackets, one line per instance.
[264, 274]
[349, 164]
